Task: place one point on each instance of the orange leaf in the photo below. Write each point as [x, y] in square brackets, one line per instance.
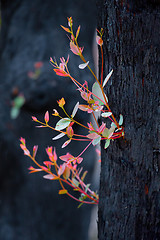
[63, 191]
[66, 29]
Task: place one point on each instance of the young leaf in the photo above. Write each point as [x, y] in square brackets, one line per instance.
[35, 148]
[111, 131]
[69, 131]
[106, 114]
[50, 177]
[83, 107]
[46, 117]
[34, 170]
[96, 141]
[19, 101]
[61, 102]
[66, 173]
[61, 169]
[83, 176]
[121, 120]
[66, 29]
[14, 112]
[113, 125]
[92, 135]
[61, 73]
[83, 65]
[99, 40]
[58, 136]
[74, 48]
[107, 78]
[75, 109]
[78, 30]
[34, 119]
[66, 143]
[107, 143]
[66, 157]
[96, 90]
[105, 132]
[62, 123]
[87, 186]
[63, 191]
[75, 182]
[79, 160]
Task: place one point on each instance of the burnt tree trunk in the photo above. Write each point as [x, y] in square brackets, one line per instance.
[129, 207]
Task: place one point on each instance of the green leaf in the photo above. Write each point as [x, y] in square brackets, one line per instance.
[82, 197]
[107, 78]
[83, 65]
[105, 133]
[75, 109]
[106, 114]
[83, 176]
[107, 143]
[96, 141]
[62, 124]
[75, 182]
[113, 125]
[96, 90]
[59, 136]
[19, 101]
[14, 112]
[120, 120]
[87, 186]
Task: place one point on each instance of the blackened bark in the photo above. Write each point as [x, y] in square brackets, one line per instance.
[129, 207]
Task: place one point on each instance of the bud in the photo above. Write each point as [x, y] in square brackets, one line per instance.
[70, 22]
[46, 117]
[55, 112]
[99, 40]
[34, 119]
[61, 102]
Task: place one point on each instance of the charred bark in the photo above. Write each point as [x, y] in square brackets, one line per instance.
[129, 207]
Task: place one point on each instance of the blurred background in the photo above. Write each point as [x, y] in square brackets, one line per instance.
[30, 207]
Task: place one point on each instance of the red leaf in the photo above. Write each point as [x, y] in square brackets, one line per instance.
[35, 148]
[61, 169]
[33, 170]
[60, 72]
[67, 157]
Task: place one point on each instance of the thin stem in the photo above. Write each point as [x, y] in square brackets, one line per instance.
[84, 150]
[95, 119]
[102, 66]
[74, 120]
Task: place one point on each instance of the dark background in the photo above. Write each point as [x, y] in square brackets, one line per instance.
[30, 207]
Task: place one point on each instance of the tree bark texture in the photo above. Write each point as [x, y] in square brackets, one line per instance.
[129, 207]
[30, 207]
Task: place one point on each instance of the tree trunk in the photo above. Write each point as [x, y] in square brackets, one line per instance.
[129, 207]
